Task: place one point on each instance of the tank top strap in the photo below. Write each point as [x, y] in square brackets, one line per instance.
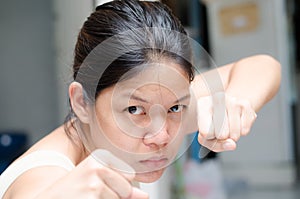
[30, 161]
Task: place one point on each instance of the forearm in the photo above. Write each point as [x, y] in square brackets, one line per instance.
[256, 79]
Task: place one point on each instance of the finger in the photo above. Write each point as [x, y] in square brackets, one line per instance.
[248, 116]
[204, 114]
[106, 192]
[217, 145]
[220, 120]
[138, 194]
[234, 119]
[116, 182]
[113, 172]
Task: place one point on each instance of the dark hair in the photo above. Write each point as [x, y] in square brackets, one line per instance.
[152, 26]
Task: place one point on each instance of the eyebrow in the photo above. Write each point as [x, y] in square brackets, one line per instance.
[183, 98]
[134, 97]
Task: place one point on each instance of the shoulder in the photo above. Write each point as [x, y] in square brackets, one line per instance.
[36, 168]
[46, 161]
[58, 142]
[31, 182]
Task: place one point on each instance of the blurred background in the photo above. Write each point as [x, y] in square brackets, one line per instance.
[37, 39]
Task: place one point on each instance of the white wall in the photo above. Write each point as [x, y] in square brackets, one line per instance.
[69, 17]
[268, 150]
[37, 40]
[27, 79]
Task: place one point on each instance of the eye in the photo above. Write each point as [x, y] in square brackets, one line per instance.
[176, 108]
[136, 110]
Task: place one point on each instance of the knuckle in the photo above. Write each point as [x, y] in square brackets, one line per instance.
[202, 134]
[221, 136]
[200, 139]
[244, 103]
[93, 170]
[95, 185]
[101, 171]
[245, 131]
[235, 137]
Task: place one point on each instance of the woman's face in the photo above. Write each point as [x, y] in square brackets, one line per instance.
[142, 119]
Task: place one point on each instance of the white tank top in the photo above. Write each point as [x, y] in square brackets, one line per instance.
[32, 160]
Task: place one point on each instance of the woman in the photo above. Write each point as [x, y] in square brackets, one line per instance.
[134, 96]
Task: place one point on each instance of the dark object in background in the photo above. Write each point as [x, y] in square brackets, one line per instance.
[12, 144]
[296, 28]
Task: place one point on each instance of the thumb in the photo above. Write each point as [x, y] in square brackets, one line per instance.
[138, 194]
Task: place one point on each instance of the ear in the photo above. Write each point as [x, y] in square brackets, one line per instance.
[78, 103]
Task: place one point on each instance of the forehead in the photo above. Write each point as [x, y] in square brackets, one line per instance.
[155, 78]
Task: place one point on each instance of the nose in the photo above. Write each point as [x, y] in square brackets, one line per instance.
[157, 132]
[158, 139]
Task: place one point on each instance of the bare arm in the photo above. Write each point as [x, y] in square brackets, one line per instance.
[256, 78]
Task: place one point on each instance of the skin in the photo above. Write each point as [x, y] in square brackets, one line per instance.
[247, 85]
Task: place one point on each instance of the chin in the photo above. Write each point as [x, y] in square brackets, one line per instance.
[149, 177]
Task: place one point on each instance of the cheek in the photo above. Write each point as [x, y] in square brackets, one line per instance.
[177, 133]
[175, 125]
[116, 136]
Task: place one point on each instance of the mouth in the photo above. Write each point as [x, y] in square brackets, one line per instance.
[155, 162]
